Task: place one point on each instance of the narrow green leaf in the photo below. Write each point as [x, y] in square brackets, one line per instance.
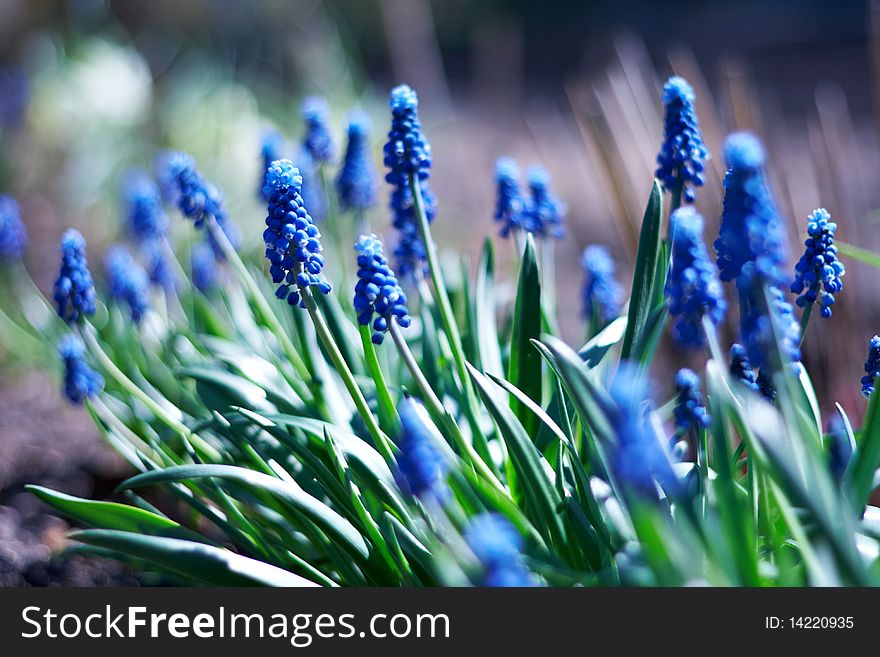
[857, 253]
[485, 308]
[859, 480]
[525, 361]
[594, 351]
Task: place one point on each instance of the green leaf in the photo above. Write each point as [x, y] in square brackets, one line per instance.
[110, 515]
[859, 480]
[645, 275]
[485, 307]
[525, 361]
[221, 390]
[193, 561]
[856, 253]
[594, 351]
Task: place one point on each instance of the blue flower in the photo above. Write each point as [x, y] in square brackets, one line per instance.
[74, 292]
[765, 386]
[544, 213]
[355, 185]
[740, 367]
[818, 267]
[269, 152]
[81, 382]
[377, 292]
[682, 157]
[312, 191]
[872, 366]
[317, 141]
[293, 245]
[639, 460]
[421, 469]
[751, 229]
[159, 270]
[13, 237]
[128, 281]
[602, 293]
[510, 203]
[765, 317]
[407, 155]
[203, 265]
[498, 547]
[841, 446]
[145, 218]
[690, 413]
[692, 286]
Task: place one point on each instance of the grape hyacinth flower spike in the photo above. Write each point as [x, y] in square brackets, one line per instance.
[269, 152]
[872, 367]
[377, 292]
[74, 292]
[692, 287]
[683, 154]
[317, 141]
[740, 368]
[13, 237]
[292, 240]
[818, 272]
[203, 264]
[690, 412]
[421, 468]
[355, 185]
[602, 293]
[145, 218]
[509, 204]
[544, 212]
[128, 281]
[81, 382]
[498, 547]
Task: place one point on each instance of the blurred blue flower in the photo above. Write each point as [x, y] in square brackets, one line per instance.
[407, 154]
[159, 270]
[765, 318]
[145, 218]
[543, 213]
[421, 469]
[510, 204]
[128, 281]
[765, 386]
[740, 367]
[692, 287]
[872, 366]
[269, 152]
[312, 191]
[683, 154]
[377, 291]
[355, 184]
[601, 292]
[13, 237]
[81, 382]
[293, 245]
[74, 292]
[203, 264]
[498, 547]
[818, 267]
[690, 413]
[317, 141]
[841, 446]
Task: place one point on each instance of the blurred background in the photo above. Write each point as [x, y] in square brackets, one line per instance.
[89, 89]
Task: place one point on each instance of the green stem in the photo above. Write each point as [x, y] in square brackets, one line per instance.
[805, 320]
[387, 410]
[383, 444]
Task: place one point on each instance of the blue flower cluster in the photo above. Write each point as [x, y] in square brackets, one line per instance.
[690, 413]
[741, 368]
[128, 281]
[317, 141]
[407, 155]
[766, 316]
[377, 291]
[13, 237]
[872, 366]
[682, 156]
[544, 213]
[601, 293]
[498, 547]
[421, 469]
[74, 292]
[158, 268]
[203, 266]
[692, 287]
[81, 382]
[145, 218]
[818, 267]
[355, 185]
[509, 204]
[269, 152]
[293, 245]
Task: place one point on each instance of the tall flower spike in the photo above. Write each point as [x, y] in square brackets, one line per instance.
[145, 218]
[690, 413]
[872, 367]
[74, 292]
[509, 204]
[13, 237]
[293, 245]
[421, 469]
[355, 185]
[317, 141]
[602, 293]
[128, 281]
[269, 152]
[818, 269]
[81, 382]
[741, 368]
[158, 268]
[407, 154]
[765, 317]
[204, 267]
[544, 212]
[683, 154]
[692, 287]
[498, 547]
[377, 292]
